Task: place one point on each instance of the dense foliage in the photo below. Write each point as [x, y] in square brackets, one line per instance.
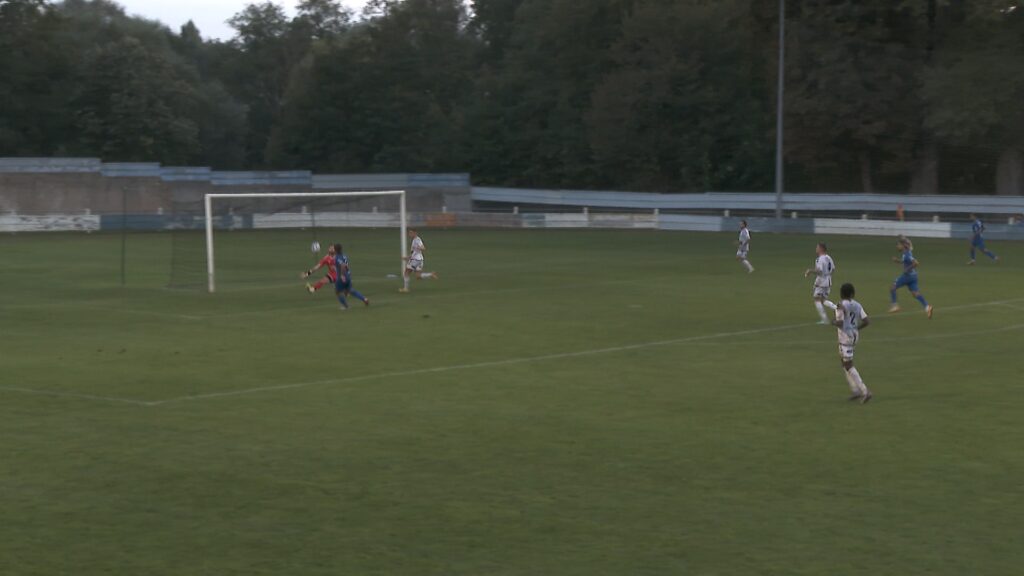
[883, 95]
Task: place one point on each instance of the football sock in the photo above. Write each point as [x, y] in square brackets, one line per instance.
[344, 303]
[990, 254]
[821, 310]
[850, 382]
[972, 253]
[892, 295]
[922, 300]
[427, 275]
[746, 264]
[855, 376]
[405, 280]
[358, 295]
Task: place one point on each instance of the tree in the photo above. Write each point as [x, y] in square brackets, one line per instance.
[262, 68]
[852, 105]
[387, 97]
[321, 19]
[134, 106]
[529, 126]
[674, 115]
[974, 91]
[36, 78]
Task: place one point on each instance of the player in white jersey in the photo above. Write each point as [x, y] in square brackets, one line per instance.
[850, 320]
[824, 266]
[743, 247]
[414, 264]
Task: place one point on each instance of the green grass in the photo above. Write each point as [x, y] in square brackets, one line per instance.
[570, 403]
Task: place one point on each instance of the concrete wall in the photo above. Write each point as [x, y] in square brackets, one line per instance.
[73, 186]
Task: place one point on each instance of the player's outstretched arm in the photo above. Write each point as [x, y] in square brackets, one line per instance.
[864, 323]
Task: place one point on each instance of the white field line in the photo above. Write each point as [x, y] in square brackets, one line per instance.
[524, 359]
[59, 394]
[59, 304]
[1021, 308]
[489, 364]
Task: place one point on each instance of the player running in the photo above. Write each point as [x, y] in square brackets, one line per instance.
[824, 266]
[978, 241]
[332, 272]
[414, 263]
[744, 247]
[850, 320]
[909, 276]
[343, 286]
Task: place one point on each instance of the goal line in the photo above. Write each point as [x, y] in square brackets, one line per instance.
[210, 199]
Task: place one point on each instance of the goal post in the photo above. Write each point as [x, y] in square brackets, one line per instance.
[209, 204]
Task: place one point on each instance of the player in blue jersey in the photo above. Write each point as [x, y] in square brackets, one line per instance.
[909, 276]
[978, 241]
[343, 286]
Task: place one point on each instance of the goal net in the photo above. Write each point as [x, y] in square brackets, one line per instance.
[257, 240]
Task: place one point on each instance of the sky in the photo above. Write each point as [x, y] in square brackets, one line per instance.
[209, 15]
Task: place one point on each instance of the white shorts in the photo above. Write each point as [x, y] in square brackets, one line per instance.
[847, 346]
[822, 291]
[414, 265]
[846, 352]
[742, 253]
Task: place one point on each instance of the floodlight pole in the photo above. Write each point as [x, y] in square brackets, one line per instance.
[779, 124]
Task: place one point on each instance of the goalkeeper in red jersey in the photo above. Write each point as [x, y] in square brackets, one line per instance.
[329, 262]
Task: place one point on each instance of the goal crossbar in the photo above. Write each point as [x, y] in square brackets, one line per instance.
[208, 199]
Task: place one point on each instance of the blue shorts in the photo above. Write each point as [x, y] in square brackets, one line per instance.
[344, 283]
[978, 242]
[908, 281]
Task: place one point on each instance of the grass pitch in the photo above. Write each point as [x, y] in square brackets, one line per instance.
[577, 402]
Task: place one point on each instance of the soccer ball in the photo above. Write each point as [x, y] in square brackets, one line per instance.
[315, 247]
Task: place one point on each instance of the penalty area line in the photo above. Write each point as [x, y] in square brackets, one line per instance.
[75, 395]
[475, 365]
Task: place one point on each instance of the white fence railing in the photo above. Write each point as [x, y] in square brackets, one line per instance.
[550, 221]
[753, 201]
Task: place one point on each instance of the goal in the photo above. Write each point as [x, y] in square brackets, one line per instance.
[315, 216]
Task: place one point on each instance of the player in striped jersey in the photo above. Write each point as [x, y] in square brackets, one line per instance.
[824, 266]
[414, 263]
[850, 320]
[743, 247]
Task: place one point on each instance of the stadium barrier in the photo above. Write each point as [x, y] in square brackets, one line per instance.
[12, 223]
[753, 202]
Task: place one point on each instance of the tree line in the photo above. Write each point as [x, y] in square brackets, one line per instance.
[677, 95]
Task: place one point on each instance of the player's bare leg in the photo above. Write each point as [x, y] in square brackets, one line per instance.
[892, 294]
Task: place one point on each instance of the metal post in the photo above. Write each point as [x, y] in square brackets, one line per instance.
[779, 124]
[210, 286]
[404, 232]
